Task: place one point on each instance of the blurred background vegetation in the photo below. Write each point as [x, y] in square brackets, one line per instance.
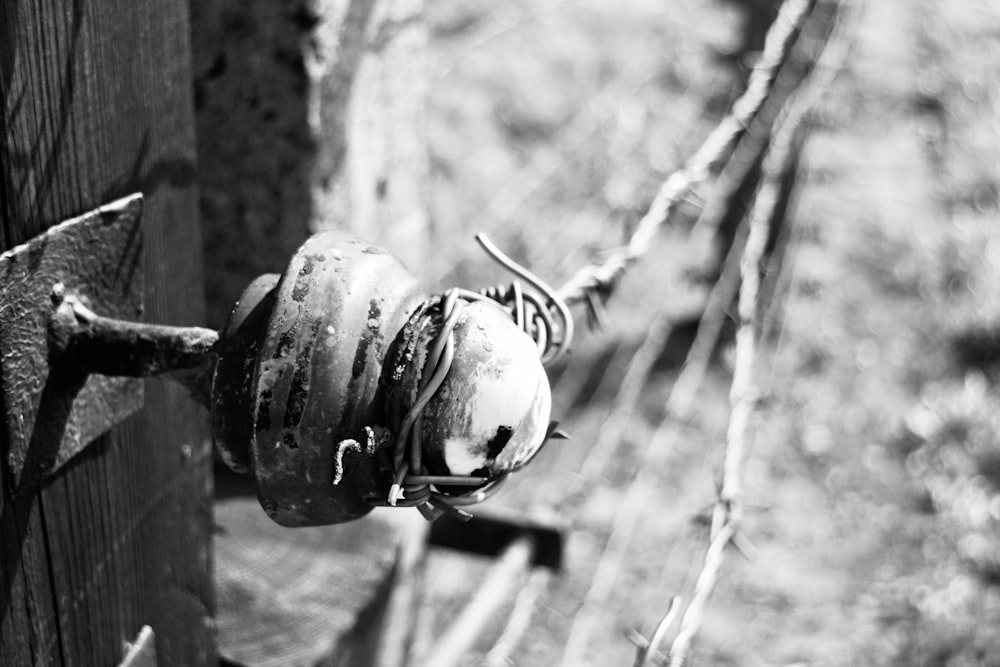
[873, 490]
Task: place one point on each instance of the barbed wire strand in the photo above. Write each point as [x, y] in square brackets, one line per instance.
[752, 145]
[679, 403]
[744, 391]
[616, 421]
[609, 435]
[681, 397]
[777, 46]
[647, 653]
[601, 278]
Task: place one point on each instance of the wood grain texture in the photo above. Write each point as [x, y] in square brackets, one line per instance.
[326, 595]
[96, 105]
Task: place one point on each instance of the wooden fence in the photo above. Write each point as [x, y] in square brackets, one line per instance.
[254, 131]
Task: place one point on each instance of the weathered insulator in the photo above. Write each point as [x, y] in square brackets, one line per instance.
[318, 371]
[490, 414]
[296, 391]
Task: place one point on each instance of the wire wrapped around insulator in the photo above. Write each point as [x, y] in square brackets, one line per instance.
[541, 314]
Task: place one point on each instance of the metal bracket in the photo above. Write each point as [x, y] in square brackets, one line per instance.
[52, 406]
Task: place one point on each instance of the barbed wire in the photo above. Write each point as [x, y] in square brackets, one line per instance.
[738, 170]
[681, 398]
[679, 404]
[744, 391]
[647, 651]
[598, 280]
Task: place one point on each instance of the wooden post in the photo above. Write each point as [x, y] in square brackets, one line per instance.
[310, 117]
[96, 104]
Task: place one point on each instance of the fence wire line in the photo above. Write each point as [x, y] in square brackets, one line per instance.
[753, 143]
[778, 45]
[727, 513]
[601, 278]
[647, 652]
[679, 403]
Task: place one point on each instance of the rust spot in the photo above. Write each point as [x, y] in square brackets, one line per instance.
[372, 333]
[285, 342]
[263, 420]
[301, 287]
[298, 392]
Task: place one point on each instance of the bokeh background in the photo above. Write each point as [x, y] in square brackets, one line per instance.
[873, 487]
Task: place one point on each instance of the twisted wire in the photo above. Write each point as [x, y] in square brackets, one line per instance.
[743, 395]
[541, 314]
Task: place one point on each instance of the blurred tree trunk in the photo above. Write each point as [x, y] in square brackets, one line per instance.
[310, 117]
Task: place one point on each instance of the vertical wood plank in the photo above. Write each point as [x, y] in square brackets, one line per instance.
[95, 105]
